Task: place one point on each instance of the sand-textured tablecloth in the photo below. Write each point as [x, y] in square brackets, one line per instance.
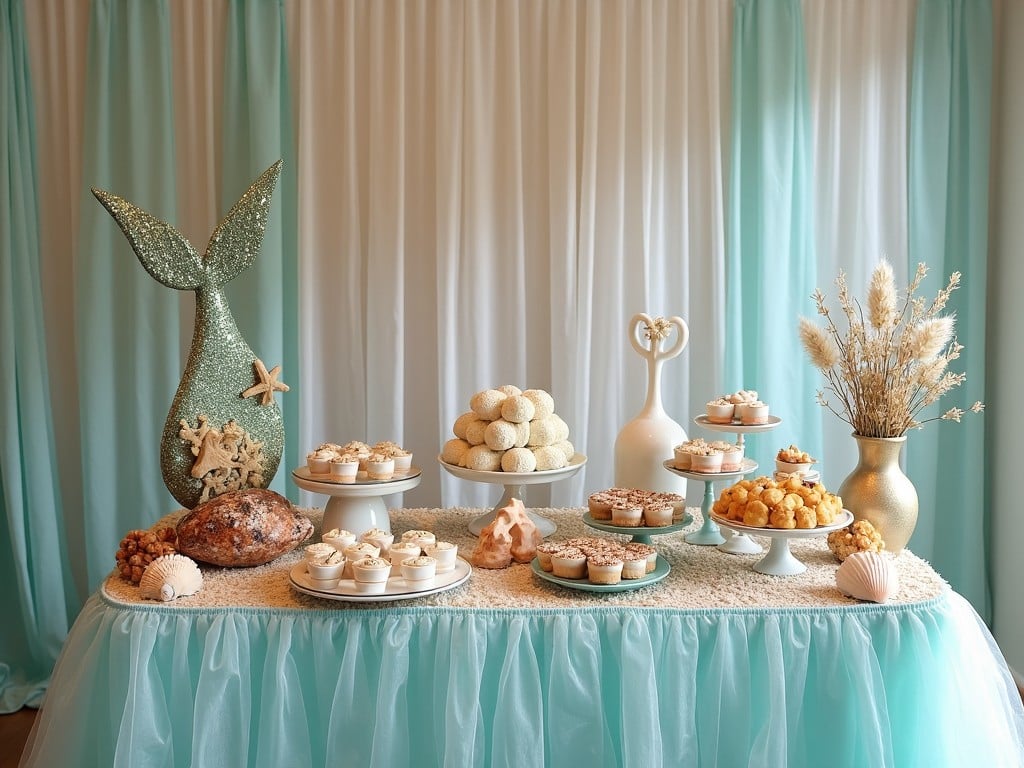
[702, 577]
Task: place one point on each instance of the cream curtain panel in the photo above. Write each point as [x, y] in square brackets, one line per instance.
[475, 193]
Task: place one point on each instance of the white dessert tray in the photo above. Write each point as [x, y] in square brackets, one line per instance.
[661, 570]
[736, 427]
[303, 473]
[397, 587]
[513, 483]
[779, 561]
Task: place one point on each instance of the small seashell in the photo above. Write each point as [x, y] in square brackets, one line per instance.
[169, 577]
[868, 576]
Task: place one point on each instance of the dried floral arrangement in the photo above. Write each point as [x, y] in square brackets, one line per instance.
[888, 366]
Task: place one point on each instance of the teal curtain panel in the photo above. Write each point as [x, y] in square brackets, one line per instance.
[950, 123]
[37, 596]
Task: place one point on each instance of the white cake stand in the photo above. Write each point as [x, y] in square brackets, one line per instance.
[738, 542]
[358, 506]
[779, 561]
[708, 534]
[514, 484]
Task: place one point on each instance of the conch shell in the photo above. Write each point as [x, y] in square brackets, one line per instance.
[169, 577]
[868, 576]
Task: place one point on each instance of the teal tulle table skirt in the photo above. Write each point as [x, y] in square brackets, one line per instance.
[918, 685]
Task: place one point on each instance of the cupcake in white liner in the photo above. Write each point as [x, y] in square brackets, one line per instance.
[706, 460]
[647, 551]
[379, 538]
[545, 550]
[604, 568]
[344, 468]
[380, 467]
[569, 563]
[445, 553]
[755, 413]
[319, 549]
[403, 461]
[371, 574]
[732, 458]
[600, 505]
[720, 411]
[423, 538]
[419, 571]
[403, 550]
[627, 514]
[339, 539]
[327, 568]
[356, 552]
[318, 461]
[634, 564]
[658, 514]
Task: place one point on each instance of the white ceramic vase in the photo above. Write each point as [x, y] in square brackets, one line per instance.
[646, 441]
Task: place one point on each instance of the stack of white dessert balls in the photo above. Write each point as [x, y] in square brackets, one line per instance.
[509, 430]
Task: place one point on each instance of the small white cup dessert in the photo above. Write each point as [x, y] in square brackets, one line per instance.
[339, 539]
[658, 514]
[327, 568]
[634, 565]
[544, 552]
[423, 538]
[600, 506]
[720, 411]
[319, 462]
[649, 552]
[755, 413]
[355, 552]
[403, 462]
[604, 568]
[319, 549]
[445, 553]
[419, 571]
[403, 550]
[627, 514]
[569, 563]
[681, 458]
[344, 469]
[380, 467]
[732, 458]
[380, 538]
[371, 574]
[706, 462]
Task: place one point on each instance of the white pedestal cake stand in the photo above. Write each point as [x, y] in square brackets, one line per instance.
[708, 534]
[358, 506]
[738, 542]
[779, 561]
[514, 484]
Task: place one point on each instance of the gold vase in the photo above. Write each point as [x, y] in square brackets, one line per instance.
[879, 492]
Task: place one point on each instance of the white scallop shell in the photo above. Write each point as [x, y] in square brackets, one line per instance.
[171, 576]
[868, 576]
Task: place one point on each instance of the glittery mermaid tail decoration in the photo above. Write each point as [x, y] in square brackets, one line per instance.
[224, 430]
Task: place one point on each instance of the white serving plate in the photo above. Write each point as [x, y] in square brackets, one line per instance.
[736, 427]
[328, 483]
[397, 587]
[515, 478]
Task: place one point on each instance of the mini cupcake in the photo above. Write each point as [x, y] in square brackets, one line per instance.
[445, 553]
[569, 563]
[600, 506]
[319, 549]
[604, 568]
[419, 570]
[327, 568]
[678, 503]
[634, 564]
[318, 461]
[755, 413]
[357, 552]
[379, 538]
[720, 411]
[423, 538]
[545, 550]
[401, 551]
[732, 458]
[403, 461]
[627, 514]
[649, 552]
[371, 574]
[706, 460]
[339, 539]
[657, 514]
[344, 468]
[380, 466]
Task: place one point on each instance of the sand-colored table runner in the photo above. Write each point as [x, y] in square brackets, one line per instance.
[702, 577]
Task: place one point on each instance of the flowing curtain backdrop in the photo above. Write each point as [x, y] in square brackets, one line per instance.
[474, 193]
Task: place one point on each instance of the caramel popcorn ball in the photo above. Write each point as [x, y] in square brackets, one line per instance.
[859, 536]
[786, 504]
[139, 548]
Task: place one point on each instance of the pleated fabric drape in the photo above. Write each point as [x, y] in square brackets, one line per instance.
[38, 598]
[950, 124]
[479, 193]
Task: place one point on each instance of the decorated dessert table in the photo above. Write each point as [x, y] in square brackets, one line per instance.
[714, 664]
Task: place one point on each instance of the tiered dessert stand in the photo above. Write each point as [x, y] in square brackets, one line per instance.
[640, 534]
[357, 506]
[708, 534]
[739, 543]
[513, 484]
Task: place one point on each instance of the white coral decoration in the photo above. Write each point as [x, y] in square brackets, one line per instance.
[658, 329]
[170, 577]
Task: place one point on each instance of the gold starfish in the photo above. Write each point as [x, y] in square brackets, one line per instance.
[268, 383]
